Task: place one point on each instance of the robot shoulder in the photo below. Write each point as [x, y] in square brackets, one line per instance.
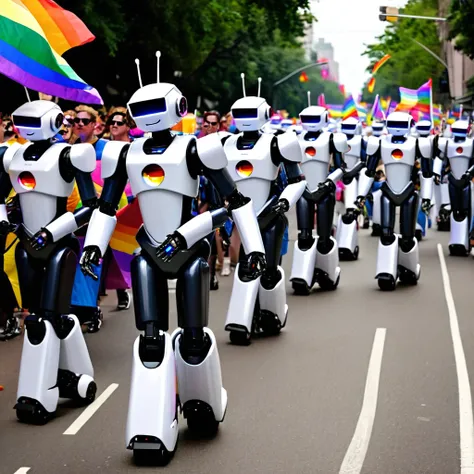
[7, 153]
[111, 155]
[339, 141]
[289, 147]
[82, 156]
[211, 152]
[425, 147]
[373, 144]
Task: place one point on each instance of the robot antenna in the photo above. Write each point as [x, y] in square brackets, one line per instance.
[27, 95]
[309, 98]
[259, 86]
[158, 55]
[137, 62]
[243, 84]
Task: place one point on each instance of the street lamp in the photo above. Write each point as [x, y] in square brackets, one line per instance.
[392, 15]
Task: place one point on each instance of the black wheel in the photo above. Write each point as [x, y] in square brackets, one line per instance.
[200, 418]
[240, 338]
[366, 223]
[419, 235]
[300, 287]
[90, 395]
[268, 324]
[407, 277]
[387, 283]
[152, 457]
[327, 285]
[32, 412]
[376, 230]
[457, 250]
[355, 255]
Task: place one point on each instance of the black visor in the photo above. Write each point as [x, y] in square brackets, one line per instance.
[310, 118]
[148, 107]
[348, 128]
[460, 130]
[245, 113]
[27, 122]
[393, 124]
[424, 128]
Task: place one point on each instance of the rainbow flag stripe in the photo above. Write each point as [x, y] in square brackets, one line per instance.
[26, 56]
[349, 109]
[380, 63]
[129, 220]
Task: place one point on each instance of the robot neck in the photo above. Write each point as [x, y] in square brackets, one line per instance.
[42, 145]
[251, 136]
[163, 137]
[458, 139]
[313, 135]
[399, 139]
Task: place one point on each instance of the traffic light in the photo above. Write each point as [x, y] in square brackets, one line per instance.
[385, 13]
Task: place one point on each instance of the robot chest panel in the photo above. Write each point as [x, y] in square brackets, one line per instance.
[459, 155]
[398, 153]
[352, 157]
[41, 175]
[252, 163]
[165, 169]
[317, 150]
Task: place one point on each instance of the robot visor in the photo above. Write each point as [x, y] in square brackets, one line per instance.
[310, 118]
[460, 131]
[27, 122]
[394, 124]
[424, 128]
[348, 128]
[148, 107]
[275, 121]
[245, 113]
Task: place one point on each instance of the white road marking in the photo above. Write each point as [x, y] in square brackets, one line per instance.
[355, 455]
[87, 414]
[466, 423]
[22, 470]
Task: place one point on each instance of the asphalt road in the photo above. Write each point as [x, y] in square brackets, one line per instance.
[359, 381]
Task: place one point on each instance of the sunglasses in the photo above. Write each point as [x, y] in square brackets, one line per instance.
[117, 123]
[85, 121]
[213, 124]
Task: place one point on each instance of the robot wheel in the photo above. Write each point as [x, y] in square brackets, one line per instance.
[327, 285]
[150, 451]
[355, 255]
[458, 250]
[240, 338]
[200, 418]
[300, 287]
[386, 282]
[32, 412]
[418, 235]
[268, 324]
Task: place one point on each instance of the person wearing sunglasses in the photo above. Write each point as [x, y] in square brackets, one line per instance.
[119, 124]
[210, 123]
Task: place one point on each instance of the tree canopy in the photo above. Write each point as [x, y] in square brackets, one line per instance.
[462, 26]
[409, 66]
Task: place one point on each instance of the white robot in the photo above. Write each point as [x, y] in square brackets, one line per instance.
[346, 234]
[54, 362]
[164, 174]
[460, 158]
[397, 256]
[254, 161]
[317, 259]
[377, 131]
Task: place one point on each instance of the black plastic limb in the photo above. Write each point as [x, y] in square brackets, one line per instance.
[152, 346]
[194, 345]
[36, 329]
[406, 243]
[270, 278]
[67, 384]
[305, 220]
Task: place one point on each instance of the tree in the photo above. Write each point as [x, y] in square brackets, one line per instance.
[462, 26]
[409, 66]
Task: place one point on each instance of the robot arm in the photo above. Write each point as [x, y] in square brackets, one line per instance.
[5, 189]
[83, 160]
[338, 146]
[426, 178]
[212, 160]
[366, 179]
[103, 221]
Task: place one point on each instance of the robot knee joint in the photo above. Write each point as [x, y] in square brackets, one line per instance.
[459, 215]
[36, 329]
[152, 346]
[406, 244]
[325, 245]
[194, 345]
[387, 239]
[349, 217]
[305, 239]
[270, 279]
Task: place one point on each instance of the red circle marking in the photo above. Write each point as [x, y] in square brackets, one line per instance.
[459, 150]
[310, 151]
[153, 175]
[27, 180]
[244, 168]
[397, 154]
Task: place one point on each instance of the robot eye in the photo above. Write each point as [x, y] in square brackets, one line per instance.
[27, 122]
[245, 113]
[148, 107]
[182, 107]
[310, 118]
[59, 121]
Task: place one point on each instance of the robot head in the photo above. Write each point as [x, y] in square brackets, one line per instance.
[351, 127]
[377, 129]
[460, 129]
[423, 127]
[314, 118]
[286, 124]
[38, 120]
[399, 124]
[157, 107]
[275, 122]
[250, 113]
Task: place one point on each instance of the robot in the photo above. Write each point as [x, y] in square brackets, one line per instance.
[460, 157]
[254, 161]
[164, 175]
[54, 361]
[397, 256]
[316, 259]
[346, 234]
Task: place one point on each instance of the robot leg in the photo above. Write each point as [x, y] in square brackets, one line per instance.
[408, 255]
[304, 254]
[327, 255]
[460, 206]
[347, 235]
[376, 216]
[387, 253]
[444, 207]
[152, 421]
[201, 394]
[272, 292]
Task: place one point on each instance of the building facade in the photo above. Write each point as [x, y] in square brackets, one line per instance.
[326, 51]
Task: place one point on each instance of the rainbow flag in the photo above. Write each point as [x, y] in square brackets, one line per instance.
[321, 100]
[349, 108]
[335, 111]
[371, 85]
[380, 63]
[424, 104]
[376, 113]
[408, 99]
[27, 57]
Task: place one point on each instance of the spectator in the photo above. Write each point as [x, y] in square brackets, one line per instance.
[210, 123]
[119, 124]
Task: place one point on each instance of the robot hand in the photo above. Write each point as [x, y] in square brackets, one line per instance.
[426, 205]
[171, 246]
[360, 203]
[324, 189]
[437, 179]
[255, 265]
[466, 178]
[41, 239]
[225, 237]
[6, 228]
[281, 207]
[90, 256]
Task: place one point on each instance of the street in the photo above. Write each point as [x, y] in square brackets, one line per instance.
[359, 381]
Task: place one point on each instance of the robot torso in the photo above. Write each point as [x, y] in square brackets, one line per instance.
[252, 168]
[459, 155]
[352, 157]
[161, 180]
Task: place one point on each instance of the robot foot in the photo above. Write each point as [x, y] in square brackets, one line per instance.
[324, 282]
[150, 451]
[80, 388]
[300, 287]
[458, 250]
[32, 412]
[408, 277]
[200, 418]
[269, 324]
[376, 230]
[239, 335]
[386, 282]
[346, 255]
